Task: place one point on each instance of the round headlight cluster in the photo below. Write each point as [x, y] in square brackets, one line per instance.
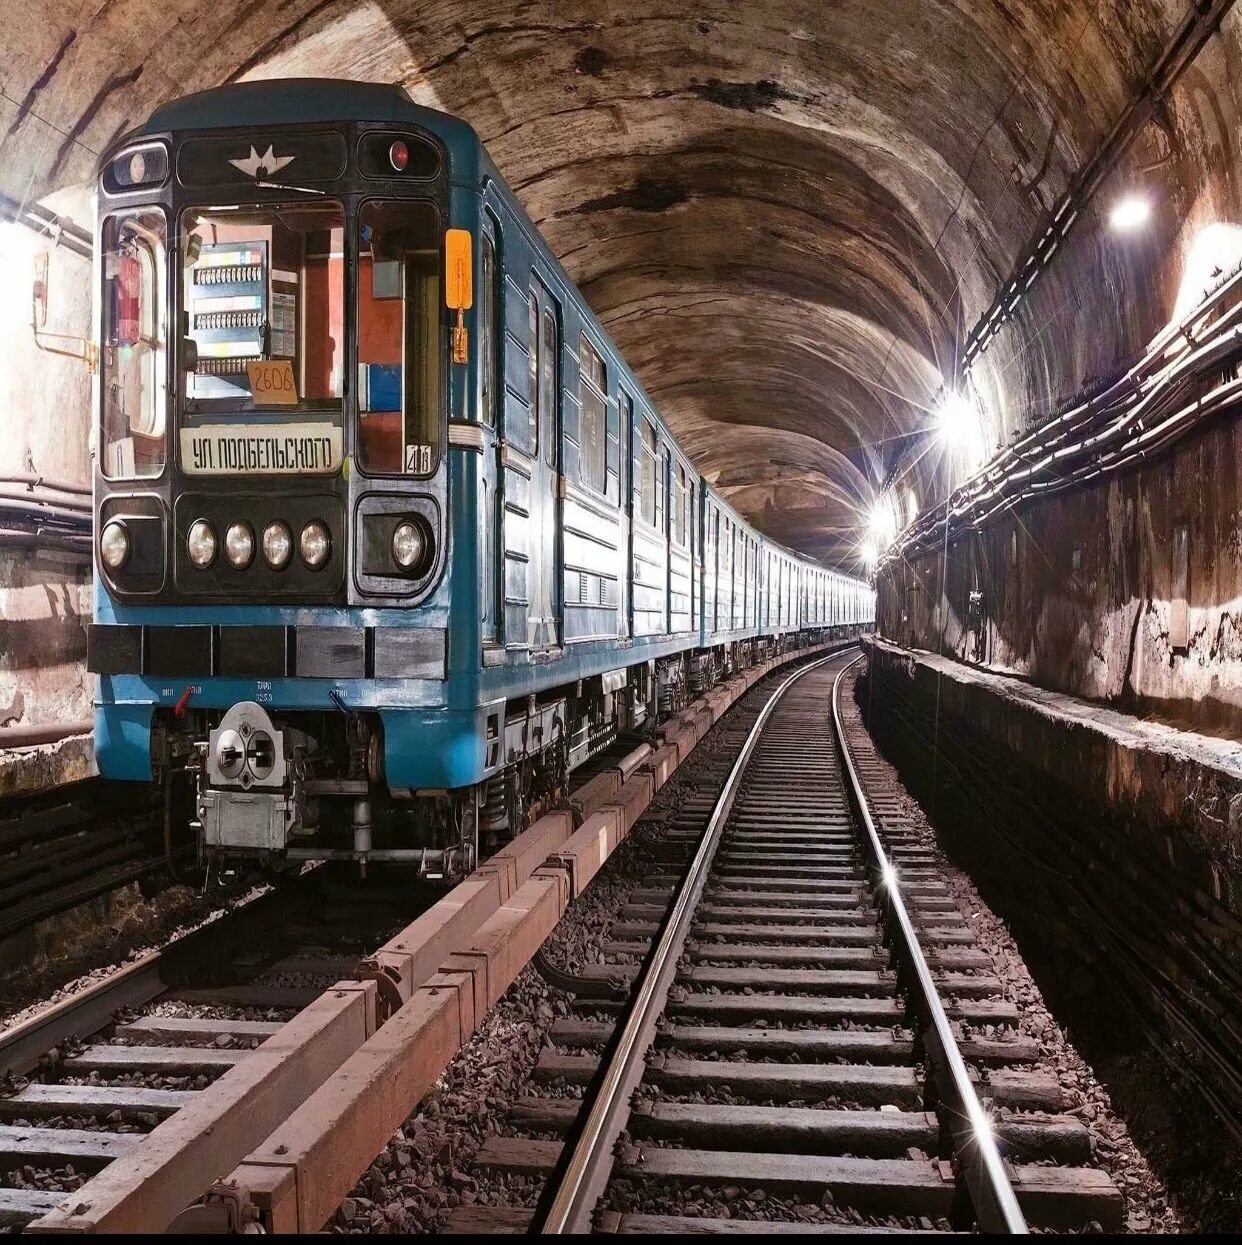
[239, 545]
[114, 545]
[314, 544]
[408, 545]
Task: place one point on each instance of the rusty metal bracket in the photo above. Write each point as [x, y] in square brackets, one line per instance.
[387, 985]
[570, 865]
[226, 1210]
[613, 990]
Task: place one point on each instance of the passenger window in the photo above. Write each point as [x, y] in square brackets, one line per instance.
[626, 434]
[532, 374]
[679, 505]
[547, 388]
[650, 461]
[592, 386]
[491, 330]
[661, 489]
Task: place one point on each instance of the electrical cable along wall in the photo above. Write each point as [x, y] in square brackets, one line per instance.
[1097, 554]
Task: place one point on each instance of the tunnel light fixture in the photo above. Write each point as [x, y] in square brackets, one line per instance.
[1130, 212]
[881, 521]
[956, 420]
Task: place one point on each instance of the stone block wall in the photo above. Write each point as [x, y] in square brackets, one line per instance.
[1112, 846]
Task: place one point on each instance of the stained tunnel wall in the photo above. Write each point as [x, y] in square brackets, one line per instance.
[1078, 593]
[45, 598]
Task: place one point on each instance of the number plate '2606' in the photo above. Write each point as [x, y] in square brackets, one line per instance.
[272, 382]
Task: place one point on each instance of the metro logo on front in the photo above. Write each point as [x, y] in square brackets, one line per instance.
[261, 166]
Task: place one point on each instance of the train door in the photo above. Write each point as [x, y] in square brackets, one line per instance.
[629, 470]
[491, 400]
[542, 625]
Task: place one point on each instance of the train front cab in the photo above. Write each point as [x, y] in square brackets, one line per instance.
[279, 356]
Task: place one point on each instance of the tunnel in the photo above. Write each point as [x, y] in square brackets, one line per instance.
[426, 432]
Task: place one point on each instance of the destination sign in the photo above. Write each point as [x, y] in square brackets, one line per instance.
[261, 449]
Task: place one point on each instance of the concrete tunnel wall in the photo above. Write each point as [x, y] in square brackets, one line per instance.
[1078, 591]
[45, 600]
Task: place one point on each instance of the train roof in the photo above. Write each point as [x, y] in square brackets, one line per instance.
[295, 101]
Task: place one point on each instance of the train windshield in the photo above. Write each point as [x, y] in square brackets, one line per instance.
[400, 339]
[263, 298]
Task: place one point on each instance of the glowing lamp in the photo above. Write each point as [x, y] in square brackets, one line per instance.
[1130, 213]
[955, 418]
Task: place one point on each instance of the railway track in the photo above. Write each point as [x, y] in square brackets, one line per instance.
[281, 1109]
[87, 1080]
[812, 1040]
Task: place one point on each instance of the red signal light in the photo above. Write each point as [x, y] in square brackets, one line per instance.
[399, 156]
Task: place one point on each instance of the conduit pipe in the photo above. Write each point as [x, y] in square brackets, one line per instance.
[28, 479]
[46, 733]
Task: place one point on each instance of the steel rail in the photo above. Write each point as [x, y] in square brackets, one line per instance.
[974, 1142]
[23, 1046]
[590, 1163]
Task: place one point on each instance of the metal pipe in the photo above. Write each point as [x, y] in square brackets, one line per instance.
[45, 539]
[46, 506]
[44, 510]
[31, 480]
[47, 733]
[42, 220]
[1005, 484]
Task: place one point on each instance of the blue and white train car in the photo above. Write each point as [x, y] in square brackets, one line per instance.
[389, 537]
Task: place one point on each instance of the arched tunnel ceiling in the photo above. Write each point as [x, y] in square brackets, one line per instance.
[787, 214]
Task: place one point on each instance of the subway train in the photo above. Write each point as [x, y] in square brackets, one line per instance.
[388, 537]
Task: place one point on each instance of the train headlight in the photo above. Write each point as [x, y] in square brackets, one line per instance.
[408, 545]
[239, 545]
[277, 545]
[315, 544]
[114, 544]
[200, 544]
